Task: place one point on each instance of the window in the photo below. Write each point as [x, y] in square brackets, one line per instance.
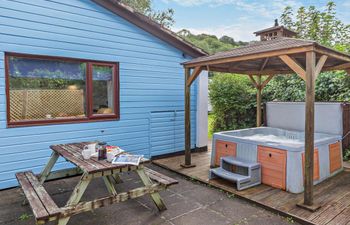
[42, 90]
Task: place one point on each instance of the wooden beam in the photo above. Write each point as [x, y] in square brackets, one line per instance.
[251, 56]
[187, 163]
[262, 67]
[46, 171]
[320, 65]
[309, 127]
[258, 102]
[76, 195]
[333, 54]
[253, 80]
[293, 65]
[266, 81]
[342, 66]
[197, 70]
[69, 211]
[234, 66]
[155, 196]
[249, 72]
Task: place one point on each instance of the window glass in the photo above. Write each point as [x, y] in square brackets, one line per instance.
[103, 89]
[42, 89]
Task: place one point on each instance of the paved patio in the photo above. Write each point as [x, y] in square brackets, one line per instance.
[188, 203]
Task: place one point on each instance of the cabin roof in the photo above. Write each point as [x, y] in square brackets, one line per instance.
[149, 25]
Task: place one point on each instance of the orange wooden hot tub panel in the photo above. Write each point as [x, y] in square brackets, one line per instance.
[316, 164]
[224, 148]
[335, 157]
[273, 166]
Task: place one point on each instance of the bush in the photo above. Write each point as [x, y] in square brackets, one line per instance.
[233, 100]
[330, 86]
[347, 154]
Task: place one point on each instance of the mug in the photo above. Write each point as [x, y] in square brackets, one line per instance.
[91, 148]
[110, 156]
[86, 153]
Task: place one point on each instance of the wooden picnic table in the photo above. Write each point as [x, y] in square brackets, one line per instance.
[45, 209]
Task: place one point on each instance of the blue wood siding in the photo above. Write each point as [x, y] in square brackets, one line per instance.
[151, 78]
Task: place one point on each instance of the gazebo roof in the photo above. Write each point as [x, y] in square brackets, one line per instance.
[262, 57]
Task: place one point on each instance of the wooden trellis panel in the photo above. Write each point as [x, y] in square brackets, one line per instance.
[36, 104]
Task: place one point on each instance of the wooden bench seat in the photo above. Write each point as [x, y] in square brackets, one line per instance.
[44, 208]
[160, 178]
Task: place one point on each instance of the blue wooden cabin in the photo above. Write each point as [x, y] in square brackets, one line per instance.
[82, 70]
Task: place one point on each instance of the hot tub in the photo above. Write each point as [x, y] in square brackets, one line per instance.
[280, 153]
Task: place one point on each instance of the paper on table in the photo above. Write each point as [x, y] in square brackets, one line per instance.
[125, 159]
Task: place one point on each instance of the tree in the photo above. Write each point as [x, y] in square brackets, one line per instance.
[227, 40]
[233, 101]
[165, 18]
[210, 43]
[321, 26]
[326, 29]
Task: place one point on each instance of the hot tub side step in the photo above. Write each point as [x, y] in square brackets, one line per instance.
[227, 175]
[246, 174]
[239, 162]
[242, 182]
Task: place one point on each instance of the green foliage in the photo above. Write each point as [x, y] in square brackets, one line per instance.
[347, 154]
[326, 29]
[321, 26]
[30, 83]
[210, 125]
[233, 101]
[330, 86]
[210, 43]
[165, 18]
[24, 217]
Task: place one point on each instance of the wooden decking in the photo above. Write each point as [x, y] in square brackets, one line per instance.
[333, 194]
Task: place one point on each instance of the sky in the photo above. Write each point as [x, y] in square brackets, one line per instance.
[237, 18]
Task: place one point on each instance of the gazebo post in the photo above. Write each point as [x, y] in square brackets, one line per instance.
[187, 120]
[189, 79]
[309, 127]
[258, 101]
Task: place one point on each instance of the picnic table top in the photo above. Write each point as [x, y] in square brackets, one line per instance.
[72, 153]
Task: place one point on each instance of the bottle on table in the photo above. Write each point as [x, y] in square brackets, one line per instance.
[102, 150]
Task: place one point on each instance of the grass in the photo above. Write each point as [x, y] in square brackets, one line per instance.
[24, 217]
[210, 125]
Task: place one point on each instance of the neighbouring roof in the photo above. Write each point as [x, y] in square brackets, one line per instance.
[149, 25]
[274, 28]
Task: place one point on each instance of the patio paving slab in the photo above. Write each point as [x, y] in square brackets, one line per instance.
[189, 203]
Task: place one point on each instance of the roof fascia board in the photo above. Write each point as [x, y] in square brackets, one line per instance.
[251, 56]
[151, 27]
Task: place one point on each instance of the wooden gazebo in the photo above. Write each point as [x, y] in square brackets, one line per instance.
[277, 53]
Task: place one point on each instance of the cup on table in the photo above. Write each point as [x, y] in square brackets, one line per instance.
[110, 156]
[91, 148]
[86, 154]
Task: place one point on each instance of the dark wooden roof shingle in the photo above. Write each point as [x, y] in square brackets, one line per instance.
[256, 47]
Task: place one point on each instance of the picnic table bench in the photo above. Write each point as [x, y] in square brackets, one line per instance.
[45, 209]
